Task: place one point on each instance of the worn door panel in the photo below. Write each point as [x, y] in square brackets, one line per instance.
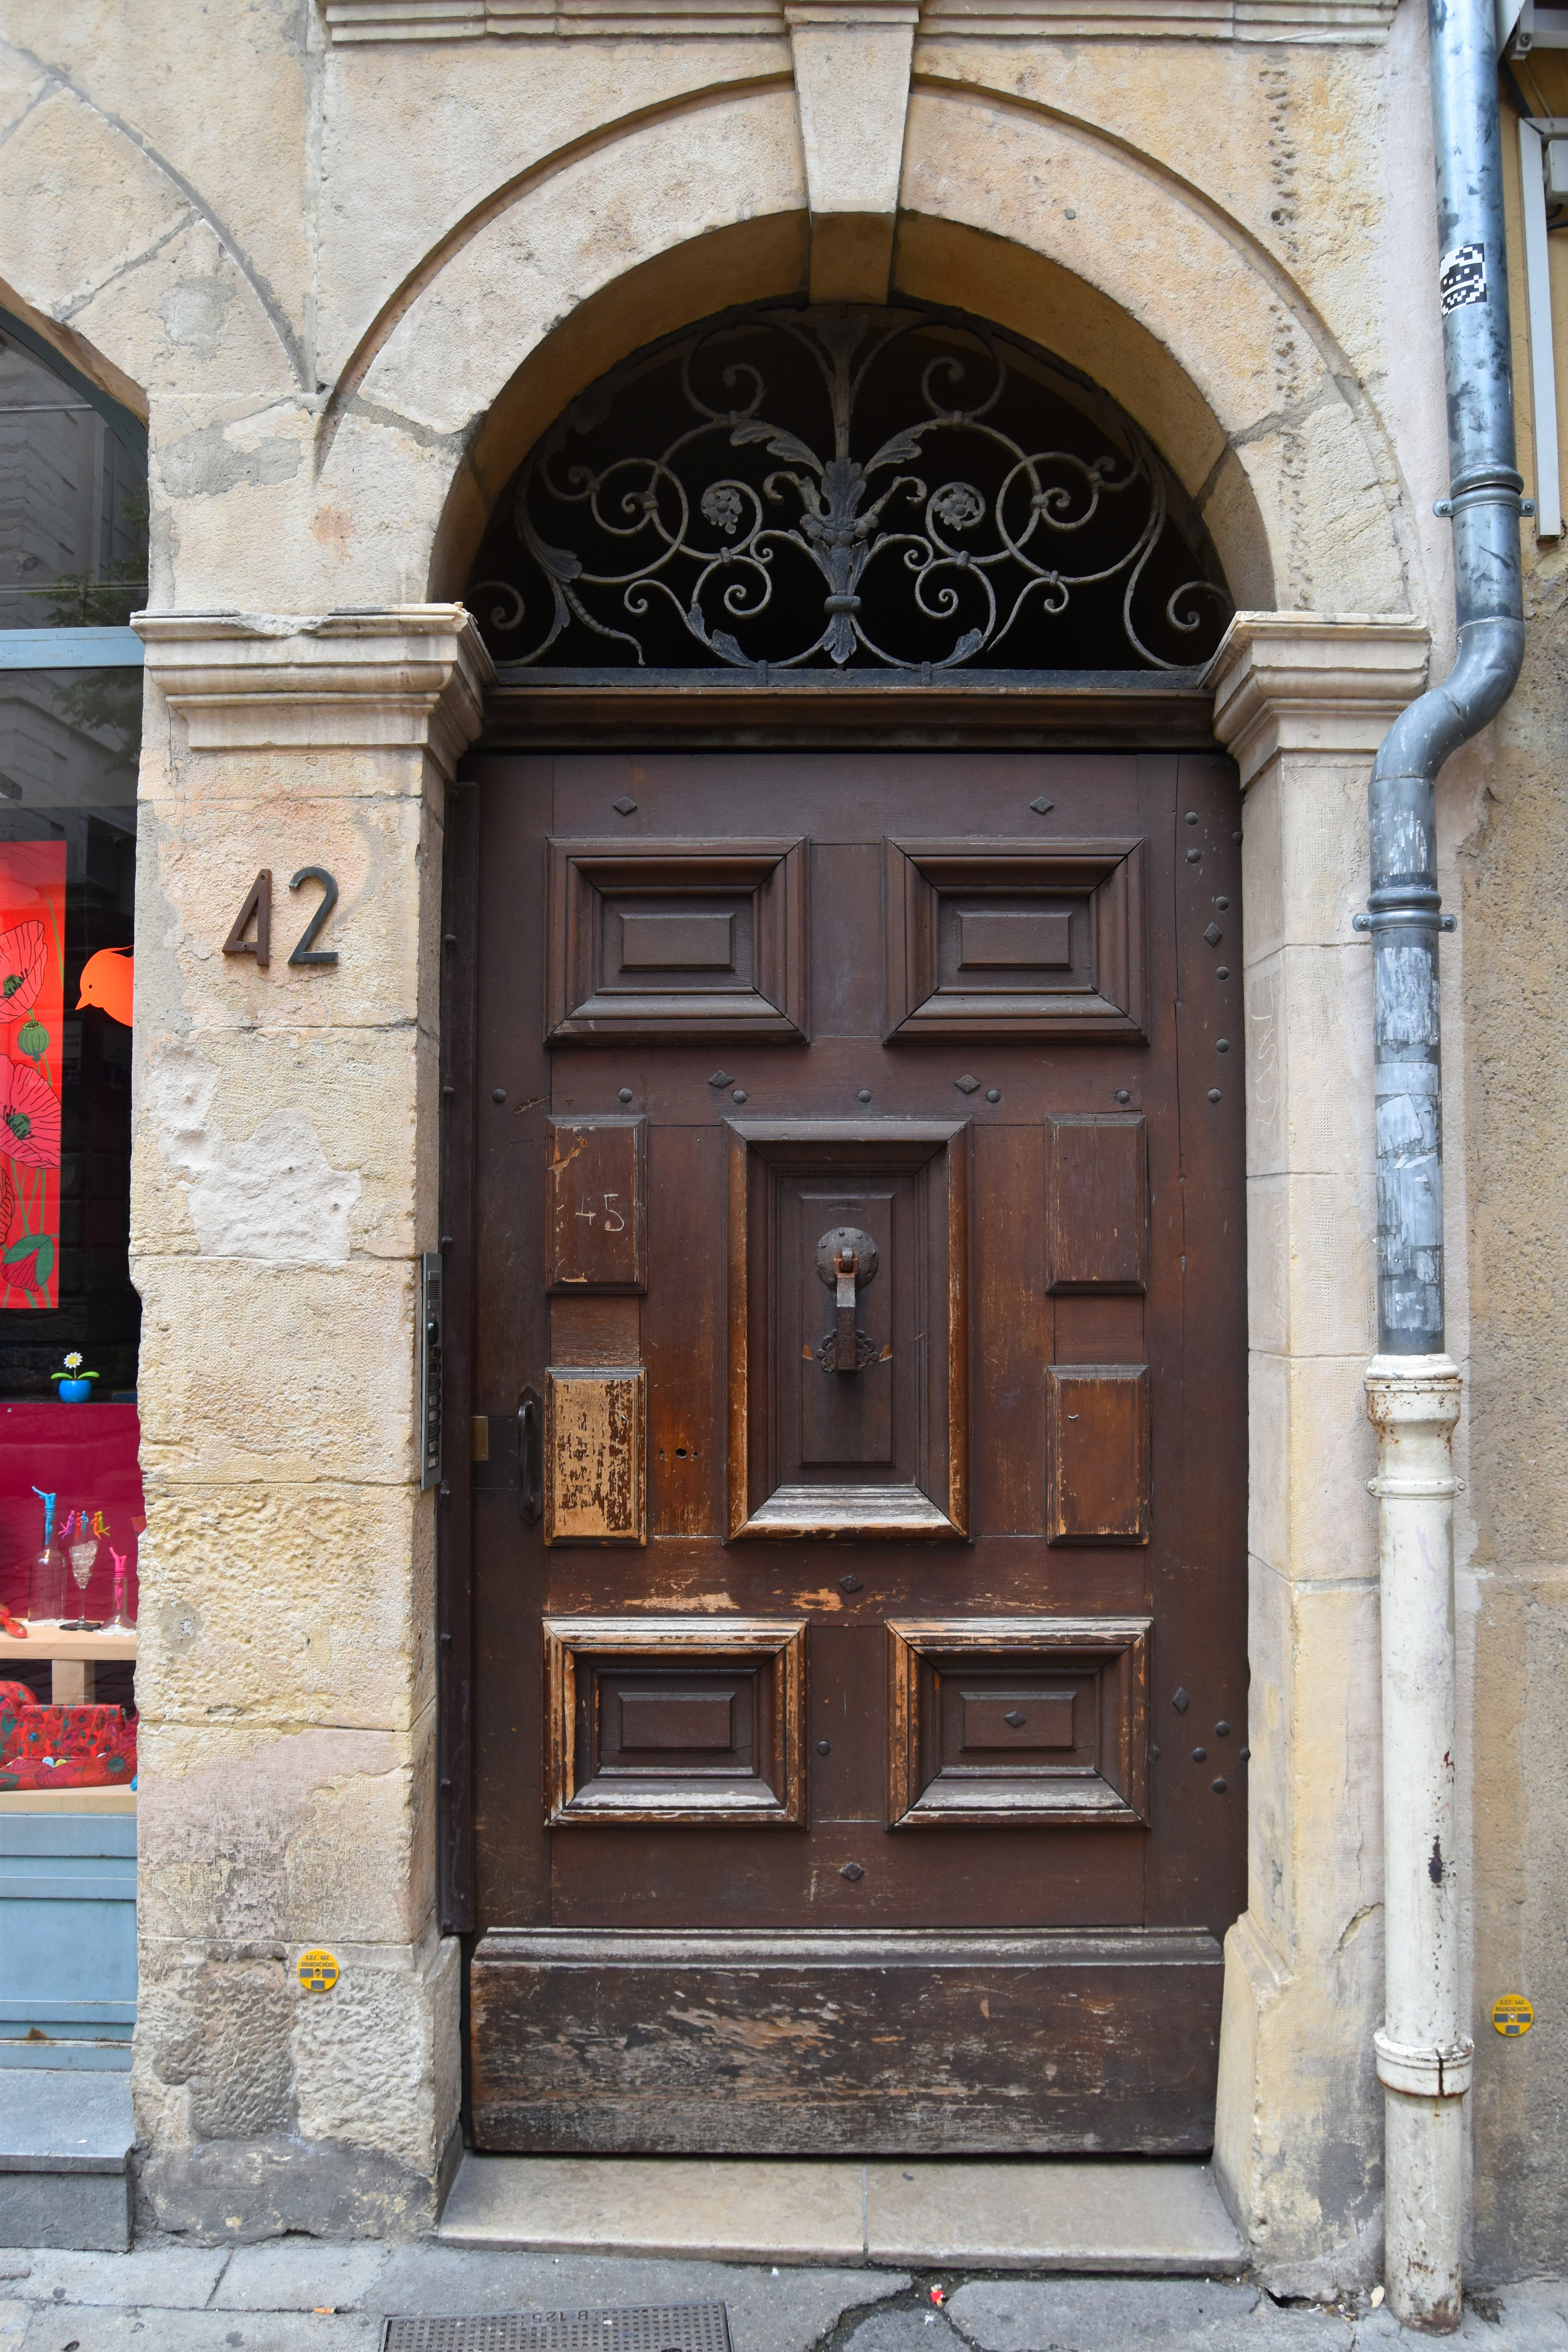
[846, 2041]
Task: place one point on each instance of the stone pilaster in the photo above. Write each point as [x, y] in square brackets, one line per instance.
[284, 1182]
[1301, 702]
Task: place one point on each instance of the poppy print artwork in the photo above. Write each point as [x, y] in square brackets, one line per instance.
[32, 1012]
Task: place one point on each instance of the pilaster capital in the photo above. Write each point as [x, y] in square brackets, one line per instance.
[405, 677]
[1329, 685]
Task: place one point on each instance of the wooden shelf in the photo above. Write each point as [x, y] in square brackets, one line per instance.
[67, 1800]
[46, 1641]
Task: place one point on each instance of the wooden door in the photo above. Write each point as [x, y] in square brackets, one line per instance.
[858, 1555]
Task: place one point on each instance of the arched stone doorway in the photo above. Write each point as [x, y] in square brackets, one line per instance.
[847, 1263]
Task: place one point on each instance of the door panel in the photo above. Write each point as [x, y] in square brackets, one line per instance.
[660, 1719]
[1098, 1201]
[875, 1446]
[598, 1205]
[596, 1455]
[1021, 1720]
[678, 938]
[1096, 1453]
[881, 2044]
[857, 1187]
[1013, 939]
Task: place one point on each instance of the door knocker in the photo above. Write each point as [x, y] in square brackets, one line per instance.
[847, 1261]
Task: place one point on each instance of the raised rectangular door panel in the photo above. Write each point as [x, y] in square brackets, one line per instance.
[1096, 1453]
[1015, 939]
[596, 1202]
[862, 2043]
[660, 1719]
[874, 1444]
[595, 1448]
[678, 938]
[1098, 1206]
[1020, 1720]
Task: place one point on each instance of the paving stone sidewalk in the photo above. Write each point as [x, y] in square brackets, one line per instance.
[302, 2293]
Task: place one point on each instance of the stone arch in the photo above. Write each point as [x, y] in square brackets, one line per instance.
[1194, 325]
[1007, 209]
[149, 293]
[1197, 332]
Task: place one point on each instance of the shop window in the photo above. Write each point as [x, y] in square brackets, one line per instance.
[73, 541]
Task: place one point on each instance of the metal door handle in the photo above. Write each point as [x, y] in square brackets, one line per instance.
[845, 1358]
[847, 1261]
[530, 1458]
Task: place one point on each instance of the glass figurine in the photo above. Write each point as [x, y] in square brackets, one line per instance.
[46, 1592]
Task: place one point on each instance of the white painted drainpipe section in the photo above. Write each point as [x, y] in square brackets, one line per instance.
[1424, 2058]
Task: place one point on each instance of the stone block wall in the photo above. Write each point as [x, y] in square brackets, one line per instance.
[1301, 702]
[284, 1187]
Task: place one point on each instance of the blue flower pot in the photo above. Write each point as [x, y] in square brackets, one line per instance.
[75, 1391]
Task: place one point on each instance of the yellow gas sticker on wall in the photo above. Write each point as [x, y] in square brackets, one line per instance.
[1513, 2015]
[318, 1972]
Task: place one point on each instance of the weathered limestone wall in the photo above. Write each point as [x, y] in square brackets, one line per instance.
[348, 282]
[1512, 835]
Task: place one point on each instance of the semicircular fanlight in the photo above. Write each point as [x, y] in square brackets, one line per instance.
[829, 489]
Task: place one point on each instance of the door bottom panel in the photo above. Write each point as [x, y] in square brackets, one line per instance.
[844, 2042]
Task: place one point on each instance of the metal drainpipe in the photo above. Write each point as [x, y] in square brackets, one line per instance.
[1424, 2056]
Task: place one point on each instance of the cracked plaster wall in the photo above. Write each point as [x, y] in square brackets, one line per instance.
[346, 286]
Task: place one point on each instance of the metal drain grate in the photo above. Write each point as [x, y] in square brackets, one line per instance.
[644, 2327]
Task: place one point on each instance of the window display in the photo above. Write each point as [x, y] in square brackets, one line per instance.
[72, 569]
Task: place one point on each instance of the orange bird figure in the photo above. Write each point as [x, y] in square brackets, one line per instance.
[106, 981]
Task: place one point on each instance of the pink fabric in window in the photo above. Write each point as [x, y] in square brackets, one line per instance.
[86, 1456]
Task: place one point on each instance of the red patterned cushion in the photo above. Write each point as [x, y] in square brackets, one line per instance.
[64, 1746]
[66, 1730]
[111, 1767]
[13, 1697]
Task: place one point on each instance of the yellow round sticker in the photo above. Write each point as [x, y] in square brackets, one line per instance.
[318, 1972]
[1513, 2015]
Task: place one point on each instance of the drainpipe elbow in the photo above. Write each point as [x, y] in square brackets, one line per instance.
[1431, 729]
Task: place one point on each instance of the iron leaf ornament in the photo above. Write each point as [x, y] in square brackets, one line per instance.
[795, 488]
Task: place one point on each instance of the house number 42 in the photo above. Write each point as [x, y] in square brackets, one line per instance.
[258, 909]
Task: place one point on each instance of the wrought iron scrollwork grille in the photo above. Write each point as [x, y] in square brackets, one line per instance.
[795, 489]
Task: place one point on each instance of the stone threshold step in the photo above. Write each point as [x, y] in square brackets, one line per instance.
[1152, 2215]
[65, 2152]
